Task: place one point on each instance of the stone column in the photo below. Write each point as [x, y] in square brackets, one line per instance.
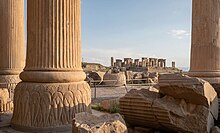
[11, 44]
[112, 61]
[53, 87]
[173, 64]
[205, 47]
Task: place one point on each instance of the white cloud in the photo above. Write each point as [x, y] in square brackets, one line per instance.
[179, 34]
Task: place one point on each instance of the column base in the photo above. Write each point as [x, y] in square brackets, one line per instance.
[7, 86]
[48, 107]
[9, 79]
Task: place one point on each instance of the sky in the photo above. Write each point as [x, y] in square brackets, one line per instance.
[136, 28]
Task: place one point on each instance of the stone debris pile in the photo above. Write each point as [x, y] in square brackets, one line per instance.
[181, 104]
[88, 123]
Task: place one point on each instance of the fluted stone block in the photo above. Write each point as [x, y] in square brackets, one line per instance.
[193, 90]
[149, 109]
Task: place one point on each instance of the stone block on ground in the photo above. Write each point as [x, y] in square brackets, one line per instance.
[193, 90]
[150, 109]
[88, 123]
[114, 79]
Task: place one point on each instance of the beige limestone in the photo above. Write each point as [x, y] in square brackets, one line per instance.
[88, 123]
[193, 90]
[11, 39]
[205, 47]
[52, 88]
[5, 102]
[11, 45]
[150, 109]
[114, 79]
[97, 76]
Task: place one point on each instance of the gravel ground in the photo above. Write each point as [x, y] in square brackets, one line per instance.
[103, 93]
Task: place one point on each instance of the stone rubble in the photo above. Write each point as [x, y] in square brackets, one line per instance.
[88, 123]
[173, 108]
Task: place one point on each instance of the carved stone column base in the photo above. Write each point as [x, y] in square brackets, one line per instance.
[41, 107]
[12, 79]
[7, 86]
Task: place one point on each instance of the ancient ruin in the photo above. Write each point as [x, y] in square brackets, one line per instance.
[53, 87]
[11, 48]
[88, 123]
[53, 95]
[205, 49]
[182, 104]
[146, 62]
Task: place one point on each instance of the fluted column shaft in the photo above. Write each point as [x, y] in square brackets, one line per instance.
[11, 48]
[11, 38]
[205, 47]
[53, 42]
[53, 35]
[53, 87]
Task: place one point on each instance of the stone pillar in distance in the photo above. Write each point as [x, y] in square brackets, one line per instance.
[53, 87]
[11, 45]
[112, 61]
[205, 47]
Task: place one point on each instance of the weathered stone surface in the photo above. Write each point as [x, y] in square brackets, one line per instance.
[151, 109]
[5, 103]
[215, 129]
[11, 46]
[136, 107]
[11, 37]
[114, 79]
[193, 90]
[111, 103]
[97, 76]
[5, 119]
[88, 123]
[53, 87]
[205, 47]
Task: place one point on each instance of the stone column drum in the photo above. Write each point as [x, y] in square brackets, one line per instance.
[11, 44]
[53, 87]
[205, 47]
